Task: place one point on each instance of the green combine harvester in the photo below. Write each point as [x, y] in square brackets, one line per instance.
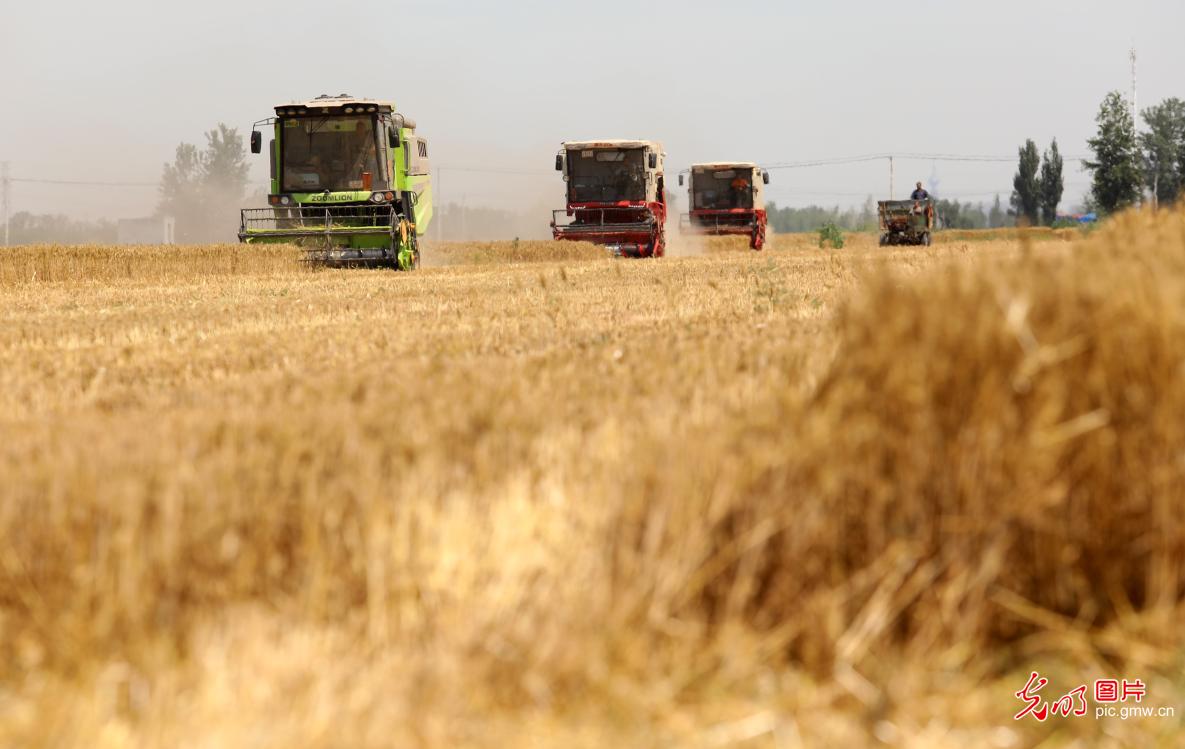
[349, 183]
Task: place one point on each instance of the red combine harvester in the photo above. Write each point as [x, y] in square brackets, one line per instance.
[727, 198]
[616, 196]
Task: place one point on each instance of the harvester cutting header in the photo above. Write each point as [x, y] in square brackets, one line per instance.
[615, 196]
[727, 198]
[349, 182]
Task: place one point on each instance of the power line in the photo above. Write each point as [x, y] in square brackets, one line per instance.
[83, 182]
[818, 193]
[828, 162]
[836, 161]
[479, 170]
[965, 158]
[975, 192]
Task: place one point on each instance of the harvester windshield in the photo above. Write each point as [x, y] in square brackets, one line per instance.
[331, 153]
[606, 175]
[722, 189]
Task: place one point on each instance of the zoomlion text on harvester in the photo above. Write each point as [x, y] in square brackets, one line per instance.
[616, 196]
[349, 183]
[727, 198]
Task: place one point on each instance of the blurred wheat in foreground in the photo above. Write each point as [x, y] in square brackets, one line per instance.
[795, 498]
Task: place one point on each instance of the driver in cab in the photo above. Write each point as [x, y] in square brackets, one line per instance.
[740, 190]
[362, 151]
[627, 183]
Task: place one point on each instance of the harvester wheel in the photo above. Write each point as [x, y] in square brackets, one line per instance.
[659, 243]
[406, 235]
[757, 240]
[884, 240]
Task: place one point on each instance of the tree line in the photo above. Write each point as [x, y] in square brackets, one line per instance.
[1126, 163]
[54, 228]
[950, 214]
[202, 189]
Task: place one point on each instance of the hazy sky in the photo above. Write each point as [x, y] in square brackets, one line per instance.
[105, 91]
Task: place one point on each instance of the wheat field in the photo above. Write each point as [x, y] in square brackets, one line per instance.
[533, 496]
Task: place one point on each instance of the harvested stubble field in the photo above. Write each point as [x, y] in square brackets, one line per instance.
[795, 498]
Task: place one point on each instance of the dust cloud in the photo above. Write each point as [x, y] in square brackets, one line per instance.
[683, 242]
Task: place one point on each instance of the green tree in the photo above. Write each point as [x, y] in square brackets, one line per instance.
[204, 189]
[955, 215]
[29, 228]
[868, 216]
[948, 213]
[1026, 190]
[1116, 165]
[997, 217]
[1163, 148]
[1052, 185]
[180, 190]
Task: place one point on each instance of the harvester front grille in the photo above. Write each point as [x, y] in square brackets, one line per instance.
[722, 221]
[603, 220]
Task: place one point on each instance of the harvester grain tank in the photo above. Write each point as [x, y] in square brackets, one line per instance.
[349, 183]
[909, 222]
[616, 196]
[727, 198]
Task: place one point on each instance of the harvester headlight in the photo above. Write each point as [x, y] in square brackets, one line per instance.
[285, 200]
[389, 196]
[349, 110]
[371, 109]
[376, 197]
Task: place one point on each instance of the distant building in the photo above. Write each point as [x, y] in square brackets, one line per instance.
[151, 230]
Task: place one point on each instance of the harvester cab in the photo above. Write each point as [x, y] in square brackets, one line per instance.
[908, 222]
[616, 196]
[349, 183]
[727, 198]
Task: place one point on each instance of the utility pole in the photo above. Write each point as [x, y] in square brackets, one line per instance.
[1135, 92]
[1136, 108]
[5, 195]
[891, 178]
